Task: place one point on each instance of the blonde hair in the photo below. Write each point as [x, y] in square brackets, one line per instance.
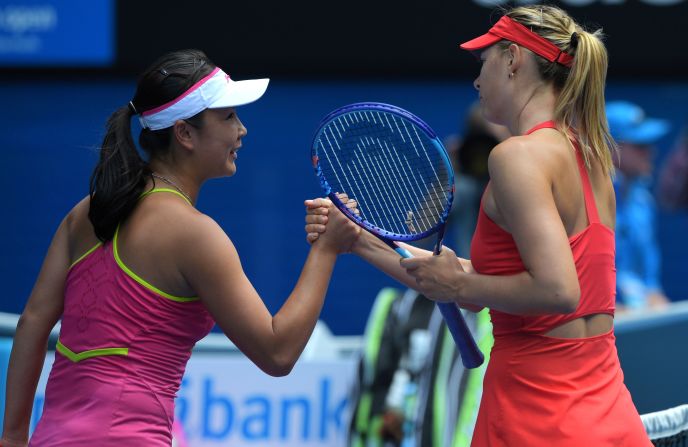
[580, 103]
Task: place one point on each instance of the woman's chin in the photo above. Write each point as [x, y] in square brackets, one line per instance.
[230, 169]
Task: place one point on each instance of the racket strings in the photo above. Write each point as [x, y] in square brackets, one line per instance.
[394, 172]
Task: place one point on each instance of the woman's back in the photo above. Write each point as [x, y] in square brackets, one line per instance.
[149, 240]
[562, 370]
[558, 201]
[124, 343]
[549, 152]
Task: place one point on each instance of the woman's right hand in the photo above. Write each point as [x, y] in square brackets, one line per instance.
[324, 222]
[317, 211]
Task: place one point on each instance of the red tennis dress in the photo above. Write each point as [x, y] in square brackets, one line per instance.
[546, 391]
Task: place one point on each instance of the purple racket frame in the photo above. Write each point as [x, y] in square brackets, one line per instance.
[471, 356]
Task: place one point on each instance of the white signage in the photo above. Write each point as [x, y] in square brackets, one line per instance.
[226, 400]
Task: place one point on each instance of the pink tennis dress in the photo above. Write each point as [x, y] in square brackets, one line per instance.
[120, 357]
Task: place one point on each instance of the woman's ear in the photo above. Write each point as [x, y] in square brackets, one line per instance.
[514, 57]
[182, 133]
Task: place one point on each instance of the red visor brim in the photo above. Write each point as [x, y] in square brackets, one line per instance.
[480, 42]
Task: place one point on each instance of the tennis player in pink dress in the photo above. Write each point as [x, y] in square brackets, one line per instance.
[138, 275]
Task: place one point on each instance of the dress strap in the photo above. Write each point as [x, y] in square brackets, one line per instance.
[590, 205]
[173, 191]
[544, 125]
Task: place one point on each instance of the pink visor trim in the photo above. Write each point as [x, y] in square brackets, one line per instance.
[183, 95]
[509, 29]
[214, 91]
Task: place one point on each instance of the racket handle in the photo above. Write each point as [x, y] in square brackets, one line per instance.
[404, 253]
[471, 356]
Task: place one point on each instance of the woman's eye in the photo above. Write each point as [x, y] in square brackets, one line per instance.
[231, 115]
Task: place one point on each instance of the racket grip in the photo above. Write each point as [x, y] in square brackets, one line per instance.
[471, 356]
[404, 253]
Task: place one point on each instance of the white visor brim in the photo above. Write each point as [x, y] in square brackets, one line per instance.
[214, 91]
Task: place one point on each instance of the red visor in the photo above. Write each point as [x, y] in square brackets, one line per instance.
[513, 31]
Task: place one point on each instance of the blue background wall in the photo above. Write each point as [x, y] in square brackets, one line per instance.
[51, 130]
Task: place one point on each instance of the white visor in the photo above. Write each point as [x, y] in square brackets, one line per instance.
[214, 91]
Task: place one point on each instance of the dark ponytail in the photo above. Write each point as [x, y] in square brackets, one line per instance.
[120, 176]
[118, 179]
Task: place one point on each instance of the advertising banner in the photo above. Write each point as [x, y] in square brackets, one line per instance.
[56, 33]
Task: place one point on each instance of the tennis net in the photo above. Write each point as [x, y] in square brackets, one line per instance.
[668, 428]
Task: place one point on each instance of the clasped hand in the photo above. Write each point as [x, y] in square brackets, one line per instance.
[320, 213]
[439, 277]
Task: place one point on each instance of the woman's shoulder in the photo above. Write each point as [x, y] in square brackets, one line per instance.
[80, 233]
[542, 153]
[174, 219]
[174, 211]
[164, 226]
[77, 221]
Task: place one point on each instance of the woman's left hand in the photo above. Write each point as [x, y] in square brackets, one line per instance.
[437, 277]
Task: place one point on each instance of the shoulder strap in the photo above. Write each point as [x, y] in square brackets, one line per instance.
[589, 197]
[544, 125]
[173, 191]
[590, 205]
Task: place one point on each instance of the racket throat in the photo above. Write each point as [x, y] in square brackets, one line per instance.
[440, 238]
[401, 251]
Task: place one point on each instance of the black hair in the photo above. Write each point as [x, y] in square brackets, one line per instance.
[120, 176]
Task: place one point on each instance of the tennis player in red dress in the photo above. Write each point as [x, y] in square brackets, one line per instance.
[542, 256]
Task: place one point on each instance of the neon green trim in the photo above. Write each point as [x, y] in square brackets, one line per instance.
[374, 328]
[356, 440]
[90, 250]
[173, 191]
[74, 357]
[374, 439]
[143, 282]
[363, 412]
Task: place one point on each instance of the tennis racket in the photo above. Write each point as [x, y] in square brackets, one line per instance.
[396, 169]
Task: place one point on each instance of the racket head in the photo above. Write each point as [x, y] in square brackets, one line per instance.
[391, 162]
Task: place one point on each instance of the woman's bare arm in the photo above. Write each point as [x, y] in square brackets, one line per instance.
[40, 315]
[213, 269]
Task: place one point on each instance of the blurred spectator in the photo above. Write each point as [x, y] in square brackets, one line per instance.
[470, 155]
[673, 179]
[638, 256]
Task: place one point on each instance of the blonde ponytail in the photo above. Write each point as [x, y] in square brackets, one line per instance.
[580, 103]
